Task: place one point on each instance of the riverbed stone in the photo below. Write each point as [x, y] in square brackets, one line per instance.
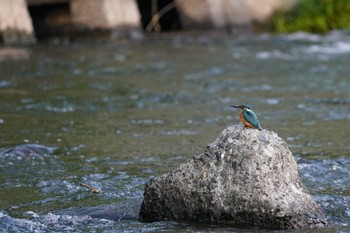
[245, 176]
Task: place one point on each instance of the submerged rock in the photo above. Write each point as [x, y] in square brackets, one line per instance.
[27, 150]
[239, 179]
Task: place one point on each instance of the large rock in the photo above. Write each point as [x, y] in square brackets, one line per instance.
[244, 177]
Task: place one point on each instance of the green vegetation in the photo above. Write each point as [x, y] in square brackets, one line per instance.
[318, 16]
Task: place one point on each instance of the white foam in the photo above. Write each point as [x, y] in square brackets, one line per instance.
[303, 36]
[274, 54]
[339, 47]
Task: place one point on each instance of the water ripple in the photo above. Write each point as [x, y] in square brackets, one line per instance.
[211, 72]
[53, 223]
[326, 175]
[335, 48]
[337, 208]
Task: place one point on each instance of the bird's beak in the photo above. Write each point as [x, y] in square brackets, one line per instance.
[234, 106]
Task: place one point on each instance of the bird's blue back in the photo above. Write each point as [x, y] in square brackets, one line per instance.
[251, 118]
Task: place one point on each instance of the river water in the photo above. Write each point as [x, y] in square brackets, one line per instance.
[112, 114]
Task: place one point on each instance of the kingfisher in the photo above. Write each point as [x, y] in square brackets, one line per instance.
[248, 117]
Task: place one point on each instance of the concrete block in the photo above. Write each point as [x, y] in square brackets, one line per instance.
[109, 15]
[15, 23]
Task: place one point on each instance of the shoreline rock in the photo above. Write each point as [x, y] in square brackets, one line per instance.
[239, 179]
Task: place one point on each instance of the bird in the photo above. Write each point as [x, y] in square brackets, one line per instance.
[248, 117]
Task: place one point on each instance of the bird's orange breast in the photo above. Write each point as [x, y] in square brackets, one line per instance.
[244, 121]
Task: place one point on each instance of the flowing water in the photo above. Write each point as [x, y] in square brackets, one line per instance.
[112, 114]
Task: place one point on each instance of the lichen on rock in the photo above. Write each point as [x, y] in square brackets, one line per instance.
[238, 179]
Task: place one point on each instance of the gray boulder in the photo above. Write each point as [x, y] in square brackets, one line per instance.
[244, 177]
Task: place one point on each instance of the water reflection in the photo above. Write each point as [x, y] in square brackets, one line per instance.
[14, 53]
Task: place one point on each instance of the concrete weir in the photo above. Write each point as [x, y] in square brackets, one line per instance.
[15, 23]
[23, 21]
[121, 17]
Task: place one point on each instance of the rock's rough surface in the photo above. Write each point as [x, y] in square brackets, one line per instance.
[247, 179]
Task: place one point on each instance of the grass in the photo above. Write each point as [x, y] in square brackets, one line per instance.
[316, 16]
